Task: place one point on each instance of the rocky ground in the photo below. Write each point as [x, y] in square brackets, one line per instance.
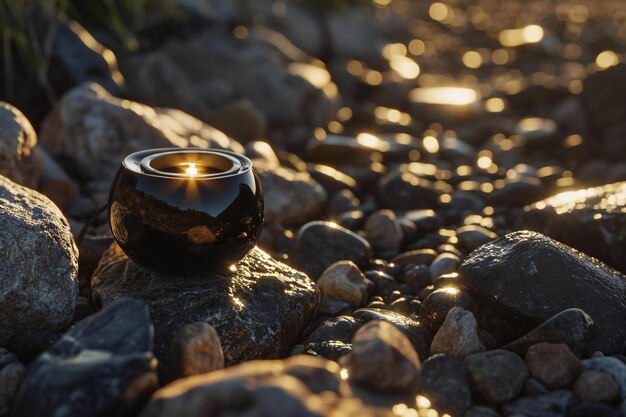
[426, 251]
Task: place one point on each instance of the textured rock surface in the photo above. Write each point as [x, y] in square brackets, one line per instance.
[102, 367]
[291, 197]
[93, 131]
[596, 386]
[458, 335]
[343, 281]
[571, 327]
[19, 158]
[603, 98]
[592, 220]
[38, 263]
[497, 375]
[202, 74]
[258, 312]
[258, 388]
[319, 244]
[196, 349]
[443, 380]
[611, 366]
[382, 358]
[552, 364]
[11, 374]
[527, 278]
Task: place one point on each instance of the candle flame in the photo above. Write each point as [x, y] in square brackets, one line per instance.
[191, 170]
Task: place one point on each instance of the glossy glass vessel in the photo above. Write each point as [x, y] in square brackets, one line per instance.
[186, 211]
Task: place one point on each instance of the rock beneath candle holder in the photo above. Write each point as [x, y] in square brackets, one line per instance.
[19, 158]
[291, 197]
[38, 263]
[526, 278]
[102, 367]
[258, 312]
[196, 349]
[92, 131]
[298, 386]
[591, 220]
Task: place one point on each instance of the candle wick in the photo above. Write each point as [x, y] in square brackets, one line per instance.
[191, 170]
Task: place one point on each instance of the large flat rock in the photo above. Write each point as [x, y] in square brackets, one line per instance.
[258, 312]
[527, 278]
[592, 220]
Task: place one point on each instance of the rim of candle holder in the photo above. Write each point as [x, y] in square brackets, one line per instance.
[224, 163]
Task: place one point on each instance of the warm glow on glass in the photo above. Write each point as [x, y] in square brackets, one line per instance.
[521, 36]
[457, 96]
[191, 170]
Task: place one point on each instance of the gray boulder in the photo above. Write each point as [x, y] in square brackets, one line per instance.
[38, 263]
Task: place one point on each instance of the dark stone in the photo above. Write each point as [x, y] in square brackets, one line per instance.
[443, 380]
[553, 404]
[258, 311]
[70, 61]
[591, 220]
[384, 284]
[527, 278]
[572, 327]
[90, 249]
[340, 328]
[102, 367]
[319, 244]
[498, 375]
[603, 99]
[404, 189]
[416, 332]
[436, 306]
[332, 179]
[517, 192]
[593, 410]
[332, 349]
[29, 344]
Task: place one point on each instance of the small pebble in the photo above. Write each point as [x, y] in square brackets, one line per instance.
[552, 364]
[195, 350]
[343, 281]
[596, 386]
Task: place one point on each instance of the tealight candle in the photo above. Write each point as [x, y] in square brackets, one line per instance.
[186, 211]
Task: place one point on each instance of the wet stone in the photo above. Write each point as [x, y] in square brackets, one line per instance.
[320, 244]
[458, 335]
[443, 380]
[416, 332]
[343, 281]
[498, 375]
[472, 237]
[526, 278]
[382, 358]
[104, 364]
[571, 327]
[553, 404]
[332, 350]
[383, 231]
[552, 364]
[446, 263]
[596, 386]
[242, 308]
[196, 349]
[438, 303]
[405, 190]
[591, 220]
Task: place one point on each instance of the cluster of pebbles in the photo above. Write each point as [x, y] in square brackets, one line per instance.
[445, 218]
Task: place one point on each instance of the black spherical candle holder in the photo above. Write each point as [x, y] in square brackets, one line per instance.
[186, 211]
